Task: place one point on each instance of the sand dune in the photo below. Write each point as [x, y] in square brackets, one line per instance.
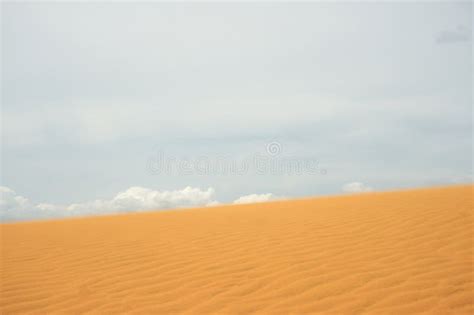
[381, 253]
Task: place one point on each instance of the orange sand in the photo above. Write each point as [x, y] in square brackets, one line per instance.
[382, 253]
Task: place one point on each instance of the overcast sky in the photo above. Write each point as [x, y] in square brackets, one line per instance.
[380, 95]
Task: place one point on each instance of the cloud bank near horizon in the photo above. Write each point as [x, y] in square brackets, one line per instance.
[17, 207]
[253, 198]
[14, 207]
[356, 187]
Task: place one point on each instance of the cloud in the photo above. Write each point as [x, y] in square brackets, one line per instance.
[356, 187]
[255, 198]
[16, 207]
[11, 203]
[460, 34]
[139, 198]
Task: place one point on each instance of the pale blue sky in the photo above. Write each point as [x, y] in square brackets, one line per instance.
[379, 94]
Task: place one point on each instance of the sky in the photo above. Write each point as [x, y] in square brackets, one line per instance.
[111, 107]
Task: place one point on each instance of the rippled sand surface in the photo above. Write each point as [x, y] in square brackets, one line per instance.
[407, 252]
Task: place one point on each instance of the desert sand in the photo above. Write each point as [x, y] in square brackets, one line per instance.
[405, 252]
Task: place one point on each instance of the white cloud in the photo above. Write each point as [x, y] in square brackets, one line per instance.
[139, 198]
[356, 187]
[255, 198]
[16, 207]
[10, 202]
